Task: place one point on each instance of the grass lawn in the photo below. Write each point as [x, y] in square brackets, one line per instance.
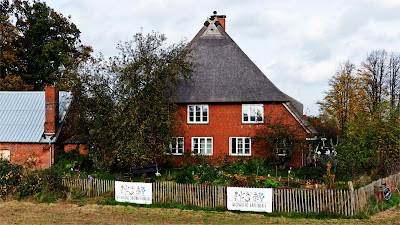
[64, 212]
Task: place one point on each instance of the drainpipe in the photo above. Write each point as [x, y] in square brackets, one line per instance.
[50, 152]
[50, 148]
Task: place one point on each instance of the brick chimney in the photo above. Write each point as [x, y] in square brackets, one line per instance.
[51, 96]
[220, 18]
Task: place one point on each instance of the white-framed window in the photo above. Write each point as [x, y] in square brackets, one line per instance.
[177, 145]
[240, 146]
[282, 147]
[5, 155]
[252, 113]
[197, 114]
[202, 145]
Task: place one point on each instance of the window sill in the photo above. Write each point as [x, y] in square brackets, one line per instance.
[197, 123]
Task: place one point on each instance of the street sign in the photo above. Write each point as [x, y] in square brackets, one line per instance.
[387, 193]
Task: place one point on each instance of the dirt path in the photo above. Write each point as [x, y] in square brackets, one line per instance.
[14, 212]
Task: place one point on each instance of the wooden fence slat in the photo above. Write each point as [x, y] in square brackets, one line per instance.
[309, 201]
[291, 199]
[314, 201]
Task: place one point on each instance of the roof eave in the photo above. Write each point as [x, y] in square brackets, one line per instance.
[301, 120]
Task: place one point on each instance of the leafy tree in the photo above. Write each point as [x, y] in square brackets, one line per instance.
[345, 100]
[326, 128]
[371, 134]
[14, 83]
[357, 150]
[388, 144]
[279, 139]
[127, 100]
[370, 145]
[39, 49]
[12, 70]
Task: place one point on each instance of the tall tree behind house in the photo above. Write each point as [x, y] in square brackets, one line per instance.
[42, 44]
[345, 100]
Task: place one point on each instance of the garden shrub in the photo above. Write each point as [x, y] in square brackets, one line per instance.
[310, 172]
[270, 183]
[18, 181]
[10, 178]
[70, 162]
[184, 177]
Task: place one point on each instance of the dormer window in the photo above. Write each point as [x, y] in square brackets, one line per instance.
[197, 114]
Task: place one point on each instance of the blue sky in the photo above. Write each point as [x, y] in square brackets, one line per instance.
[297, 44]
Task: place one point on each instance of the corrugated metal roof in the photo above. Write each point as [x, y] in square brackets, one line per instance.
[22, 115]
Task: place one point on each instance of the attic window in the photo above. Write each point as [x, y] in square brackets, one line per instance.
[252, 113]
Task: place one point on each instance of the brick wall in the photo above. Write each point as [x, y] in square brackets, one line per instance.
[52, 102]
[29, 152]
[226, 121]
[81, 148]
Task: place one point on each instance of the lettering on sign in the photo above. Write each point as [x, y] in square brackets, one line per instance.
[133, 192]
[249, 199]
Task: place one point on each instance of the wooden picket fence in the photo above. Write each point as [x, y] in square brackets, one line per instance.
[345, 202]
[363, 194]
[190, 194]
[315, 200]
[92, 188]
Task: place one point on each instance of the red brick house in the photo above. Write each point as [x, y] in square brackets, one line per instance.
[30, 125]
[228, 99]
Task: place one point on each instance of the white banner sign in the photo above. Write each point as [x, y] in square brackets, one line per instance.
[249, 199]
[140, 193]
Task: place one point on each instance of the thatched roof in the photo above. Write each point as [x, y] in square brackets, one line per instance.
[225, 74]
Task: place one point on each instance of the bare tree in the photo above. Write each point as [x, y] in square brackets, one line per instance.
[393, 80]
[373, 72]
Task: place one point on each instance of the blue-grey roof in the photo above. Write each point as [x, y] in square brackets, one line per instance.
[22, 115]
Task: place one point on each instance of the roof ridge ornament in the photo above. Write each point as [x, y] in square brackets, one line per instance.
[212, 24]
[220, 19]
[212, 29]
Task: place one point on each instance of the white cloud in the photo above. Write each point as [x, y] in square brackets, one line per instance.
[382, 3]
[297, 44]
